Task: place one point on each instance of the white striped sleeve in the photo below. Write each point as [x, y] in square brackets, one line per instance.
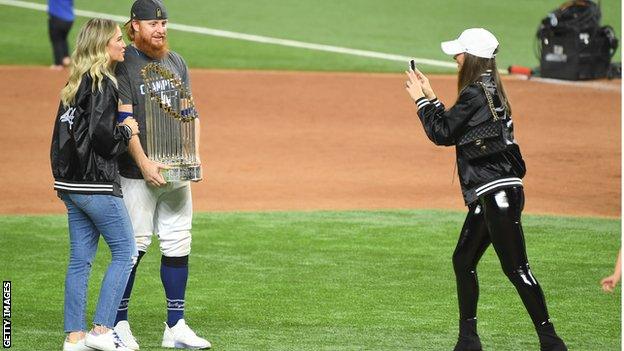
[436, 102]
[422, 102]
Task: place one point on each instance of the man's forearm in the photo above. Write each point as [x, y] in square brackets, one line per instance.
[136, 150]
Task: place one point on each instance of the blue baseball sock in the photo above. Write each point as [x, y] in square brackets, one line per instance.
[122, 310]
[174, 274]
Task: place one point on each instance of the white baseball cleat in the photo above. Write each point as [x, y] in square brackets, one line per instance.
[125, 334]
[180, 336]
[77, 346]
[108, 341]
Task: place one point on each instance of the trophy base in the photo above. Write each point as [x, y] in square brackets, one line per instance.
[182, 173]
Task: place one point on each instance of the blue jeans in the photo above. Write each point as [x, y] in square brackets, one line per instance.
[89, 216]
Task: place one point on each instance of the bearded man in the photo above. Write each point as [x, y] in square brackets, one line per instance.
[155, 206]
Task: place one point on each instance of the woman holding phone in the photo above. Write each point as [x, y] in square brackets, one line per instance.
[491, 169]
[85, 144]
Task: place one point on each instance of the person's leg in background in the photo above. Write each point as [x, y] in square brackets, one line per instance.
[65, 44]
[58, 31]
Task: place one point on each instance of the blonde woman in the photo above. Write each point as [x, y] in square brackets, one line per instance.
[85, 144]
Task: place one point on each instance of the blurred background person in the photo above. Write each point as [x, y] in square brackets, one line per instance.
[60, 20]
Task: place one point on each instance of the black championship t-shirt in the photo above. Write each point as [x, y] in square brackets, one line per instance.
[132, 92]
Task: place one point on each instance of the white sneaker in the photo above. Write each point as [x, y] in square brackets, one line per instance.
[180, 336]
[78, 346]
[108, 341]
[125, 334]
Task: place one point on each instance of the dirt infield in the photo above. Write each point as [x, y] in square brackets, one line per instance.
[303, 141]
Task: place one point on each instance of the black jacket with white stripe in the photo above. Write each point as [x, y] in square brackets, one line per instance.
[444, 127]
[87, 140]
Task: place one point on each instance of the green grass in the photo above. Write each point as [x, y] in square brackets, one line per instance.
[330, 281]
[393, 26]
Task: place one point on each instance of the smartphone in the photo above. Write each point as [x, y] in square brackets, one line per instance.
[412, 64]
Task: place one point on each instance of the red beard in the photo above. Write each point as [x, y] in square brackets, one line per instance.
[149, 49]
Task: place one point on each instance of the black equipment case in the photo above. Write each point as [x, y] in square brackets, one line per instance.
[573, 45]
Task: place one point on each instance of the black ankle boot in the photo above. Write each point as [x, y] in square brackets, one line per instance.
[468, 338]
[549, 341]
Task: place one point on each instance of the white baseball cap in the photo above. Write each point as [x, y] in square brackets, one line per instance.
[475, 41]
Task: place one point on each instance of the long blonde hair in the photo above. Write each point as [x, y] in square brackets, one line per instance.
[90, 56]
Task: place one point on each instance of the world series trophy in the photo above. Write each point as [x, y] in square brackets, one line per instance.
[170, 124]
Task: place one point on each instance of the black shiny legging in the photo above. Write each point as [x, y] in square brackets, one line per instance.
[495, 219]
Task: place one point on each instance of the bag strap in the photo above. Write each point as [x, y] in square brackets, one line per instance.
[490, 102]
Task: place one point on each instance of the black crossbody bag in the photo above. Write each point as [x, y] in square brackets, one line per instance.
[487, 138]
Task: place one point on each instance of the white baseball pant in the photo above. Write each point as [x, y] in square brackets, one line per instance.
[166, 211]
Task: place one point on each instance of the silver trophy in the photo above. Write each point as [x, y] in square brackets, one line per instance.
[170, 122]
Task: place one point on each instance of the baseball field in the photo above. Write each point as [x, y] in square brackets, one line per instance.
[326, 219]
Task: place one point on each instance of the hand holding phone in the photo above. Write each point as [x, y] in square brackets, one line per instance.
[424, 81]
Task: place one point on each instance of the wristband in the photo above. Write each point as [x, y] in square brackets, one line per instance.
[121, 116]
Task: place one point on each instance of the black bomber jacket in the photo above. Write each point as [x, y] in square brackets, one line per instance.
[444, 127]
[87, 140]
